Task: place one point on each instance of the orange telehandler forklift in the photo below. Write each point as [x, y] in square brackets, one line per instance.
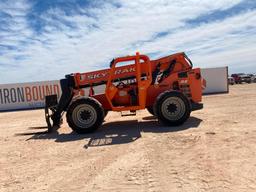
[169, 88]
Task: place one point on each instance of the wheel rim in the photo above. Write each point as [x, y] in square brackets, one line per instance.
[84, 116]
[173, 108]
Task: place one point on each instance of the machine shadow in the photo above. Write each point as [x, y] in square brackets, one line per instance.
[128, 131]
[114, 133]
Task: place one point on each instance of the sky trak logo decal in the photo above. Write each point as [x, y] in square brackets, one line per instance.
[25, 94]
[105, 74]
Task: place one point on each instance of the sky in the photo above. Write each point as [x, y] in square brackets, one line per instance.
[46, 39]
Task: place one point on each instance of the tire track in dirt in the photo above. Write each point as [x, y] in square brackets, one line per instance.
[130, 172]
[121, 175]
[85, 172]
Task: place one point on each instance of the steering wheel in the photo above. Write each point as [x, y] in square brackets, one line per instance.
[121, 85]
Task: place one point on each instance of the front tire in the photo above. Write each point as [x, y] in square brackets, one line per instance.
[172, 108]
[85, 115]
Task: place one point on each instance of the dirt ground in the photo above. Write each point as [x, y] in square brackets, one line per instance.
[215, 150]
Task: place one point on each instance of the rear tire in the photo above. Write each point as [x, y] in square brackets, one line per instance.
[172, 108]
[85, 115]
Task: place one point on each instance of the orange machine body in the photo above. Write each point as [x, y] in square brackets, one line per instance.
[131, 87]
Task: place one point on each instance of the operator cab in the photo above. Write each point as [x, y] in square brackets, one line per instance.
[129, 94]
